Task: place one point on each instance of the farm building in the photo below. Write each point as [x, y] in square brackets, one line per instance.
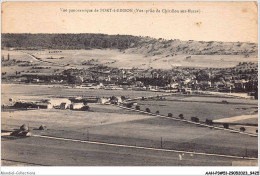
[77, 106]
[103, 100]
[41, 105]
[63, 106]
[116, 100]
[59, 103]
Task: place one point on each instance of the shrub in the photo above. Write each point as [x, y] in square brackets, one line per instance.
[224, 101]
[137, 107]
[42, 127]
[129, 105]
[157, 112]
[226, 125]
[123, 98]
[148, 110]
[112, 98]
[170, 115]
[20, 133]
[242, 129]
[181, 116]
[195, 119]
[85, 108]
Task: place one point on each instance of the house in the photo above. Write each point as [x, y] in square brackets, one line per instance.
[186, 90]
[119, 100]
[239, 86]
[152, 88]
[139, 84]
[100, 86]
[173, 85]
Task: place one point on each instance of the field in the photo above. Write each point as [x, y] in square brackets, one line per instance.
[113, 125]
[115, 58]
[66, 153]
[123, 128]
[202, 107]
[28, 62]
[30, 91]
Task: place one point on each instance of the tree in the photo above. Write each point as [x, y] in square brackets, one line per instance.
[85, 108]
[148, 110]
[242, 129]
[8, 45]
[137, 107]
[209, 122]
[226, 125]
[157, 112]
[170, 115]
[224, 101]
[129, 105]
[123, 98]
[181, 116]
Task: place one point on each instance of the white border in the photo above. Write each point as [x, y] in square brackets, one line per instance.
[126, 170]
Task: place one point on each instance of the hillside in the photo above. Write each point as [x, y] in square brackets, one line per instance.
[153, 47]
[129, 44]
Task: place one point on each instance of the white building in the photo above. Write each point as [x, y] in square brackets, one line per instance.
[76, 106]
[56, 102]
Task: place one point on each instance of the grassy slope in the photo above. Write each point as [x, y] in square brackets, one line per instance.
[115, 58]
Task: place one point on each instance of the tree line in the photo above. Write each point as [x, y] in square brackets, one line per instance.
[69, 41]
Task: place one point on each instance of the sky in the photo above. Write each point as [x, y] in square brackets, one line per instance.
[217, 21]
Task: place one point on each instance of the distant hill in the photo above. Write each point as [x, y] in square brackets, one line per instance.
[130, 44]
[153, 47]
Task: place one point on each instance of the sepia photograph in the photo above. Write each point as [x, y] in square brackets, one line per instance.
[129, 84]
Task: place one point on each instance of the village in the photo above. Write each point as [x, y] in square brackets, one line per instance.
[239, 79]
